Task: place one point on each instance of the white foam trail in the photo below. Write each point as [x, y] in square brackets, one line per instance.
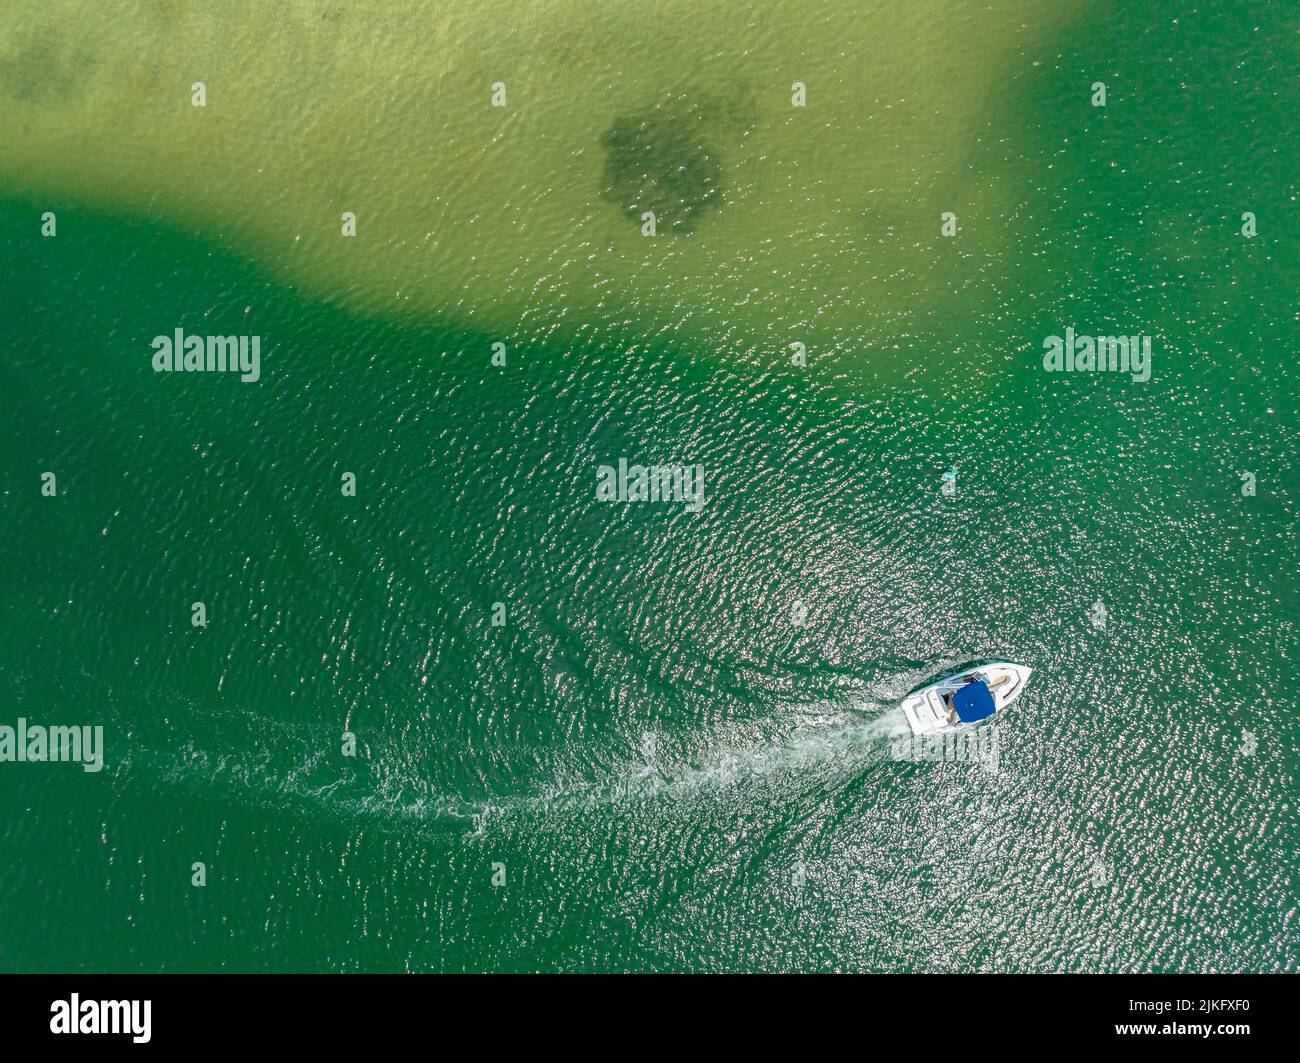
[845, 741]
[821, 736]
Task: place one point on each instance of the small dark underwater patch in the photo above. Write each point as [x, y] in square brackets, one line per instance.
[39, 69]
[659, 160]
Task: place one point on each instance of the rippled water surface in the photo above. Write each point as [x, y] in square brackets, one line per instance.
[676, 751]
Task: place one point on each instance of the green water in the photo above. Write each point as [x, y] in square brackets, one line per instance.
[651, 765]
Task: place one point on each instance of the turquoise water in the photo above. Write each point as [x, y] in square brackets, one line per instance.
[675, 752]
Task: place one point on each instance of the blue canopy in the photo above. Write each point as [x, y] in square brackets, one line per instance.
[973, 702]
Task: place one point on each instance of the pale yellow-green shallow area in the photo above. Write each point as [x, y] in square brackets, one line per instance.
[775, 223]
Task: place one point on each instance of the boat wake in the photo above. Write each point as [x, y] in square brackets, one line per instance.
[825, 741]
[277, 763]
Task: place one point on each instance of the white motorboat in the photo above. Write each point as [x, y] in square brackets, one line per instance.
[964, 700]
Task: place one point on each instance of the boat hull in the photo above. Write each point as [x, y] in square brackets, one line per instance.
[925, 709]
